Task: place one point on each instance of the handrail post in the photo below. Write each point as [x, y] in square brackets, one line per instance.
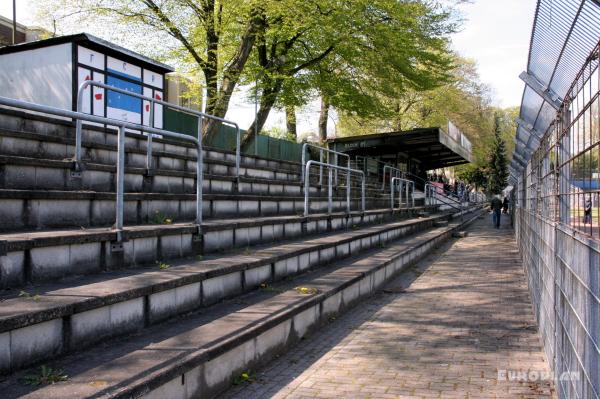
[363, 193]
[306, 187]
[330, 191]
[348, 188]
[335, 160]
[79, 125]
[199, 177]
[120, 183]
[149, 145]
[392, 195]
[407, 188]
[302, 173]
[238, 150]
[321, 167]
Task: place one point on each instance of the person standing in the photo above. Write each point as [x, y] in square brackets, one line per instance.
[587, 211]
[496, 208]
[505, 205]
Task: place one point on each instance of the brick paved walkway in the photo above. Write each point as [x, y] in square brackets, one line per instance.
[442, 330]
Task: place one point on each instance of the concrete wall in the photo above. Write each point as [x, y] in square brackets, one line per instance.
[42, 76]
[563, 271]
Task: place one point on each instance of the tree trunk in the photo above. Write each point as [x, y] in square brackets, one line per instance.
[267, 100]
[323, 116]
[290, 121]
[218, 103]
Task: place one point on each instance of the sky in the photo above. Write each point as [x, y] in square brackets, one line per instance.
[495, 34]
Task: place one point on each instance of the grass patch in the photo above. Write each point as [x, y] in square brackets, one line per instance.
[162, 265]
[269, 288]
[47, 376]
[306, 290]
[244, 378]
[25, 294]
[159, 218]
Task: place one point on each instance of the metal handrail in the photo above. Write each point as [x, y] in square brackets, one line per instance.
[432, 193]
[152, 101]
[365, 160]
[120, 191]
[397, 173]
[407, 183]
[330, 185]
[321, 150]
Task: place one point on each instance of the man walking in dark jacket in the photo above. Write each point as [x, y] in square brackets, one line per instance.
[496, 207]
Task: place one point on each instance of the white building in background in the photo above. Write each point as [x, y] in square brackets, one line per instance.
[50, 71]
[24, 33]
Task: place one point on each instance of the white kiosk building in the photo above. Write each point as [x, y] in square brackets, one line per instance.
[50, 72]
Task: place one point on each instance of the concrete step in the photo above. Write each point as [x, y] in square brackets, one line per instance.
[38, 136]
[35, 257]
[199, 355]
[82, 299]
[28, 144]
[26, 173]
[41, 209]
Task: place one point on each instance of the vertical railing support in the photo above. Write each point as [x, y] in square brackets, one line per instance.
[348, 188]
[149, 145]
[330, 191]
[320, 168]
[120, 183]
[330, 185]
[199, 177]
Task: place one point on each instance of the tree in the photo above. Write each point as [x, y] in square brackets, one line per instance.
[212, 38]
[283, 43]
[473, 174]
[498, 169]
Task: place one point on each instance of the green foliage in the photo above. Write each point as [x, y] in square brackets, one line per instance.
[244, 378]
[158, 218]
[473, 174]
[46, 376]
[162, 265]
[498, 168]
[358, 54]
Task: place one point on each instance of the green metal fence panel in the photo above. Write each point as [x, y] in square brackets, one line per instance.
[180, 122]
[225, 138]
[274, 148]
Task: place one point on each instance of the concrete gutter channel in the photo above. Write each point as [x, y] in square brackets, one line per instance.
[70, 316]
[203, 360]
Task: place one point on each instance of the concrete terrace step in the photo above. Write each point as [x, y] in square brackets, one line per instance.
[200, 355]
[25, 135]
[68, 315]
[27, 173]
[42, 209]
[27, 144]
[33, 257]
